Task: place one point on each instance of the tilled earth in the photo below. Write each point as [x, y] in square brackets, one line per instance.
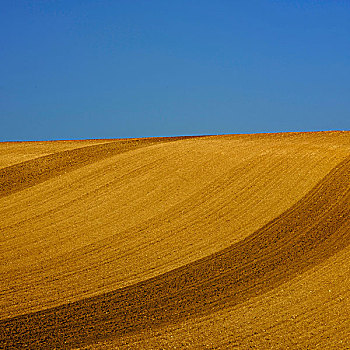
[235, 241]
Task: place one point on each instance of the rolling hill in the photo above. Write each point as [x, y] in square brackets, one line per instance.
[211, 242]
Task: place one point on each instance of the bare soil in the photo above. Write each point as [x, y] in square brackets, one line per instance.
[234, 241]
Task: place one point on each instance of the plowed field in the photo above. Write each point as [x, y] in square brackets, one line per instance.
[212, 242]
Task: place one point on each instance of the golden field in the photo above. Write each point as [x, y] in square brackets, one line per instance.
[211, 242]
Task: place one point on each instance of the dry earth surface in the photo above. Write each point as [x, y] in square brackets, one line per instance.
[212, 242]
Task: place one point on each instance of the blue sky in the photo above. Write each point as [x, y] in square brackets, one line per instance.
[130, 68]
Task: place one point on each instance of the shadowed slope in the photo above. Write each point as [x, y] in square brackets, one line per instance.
[311, 231]
[310, 311]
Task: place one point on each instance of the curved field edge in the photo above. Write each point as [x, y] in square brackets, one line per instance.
[29, 173]
[307, 234]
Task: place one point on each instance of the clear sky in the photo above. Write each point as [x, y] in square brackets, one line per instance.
[78, 69]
